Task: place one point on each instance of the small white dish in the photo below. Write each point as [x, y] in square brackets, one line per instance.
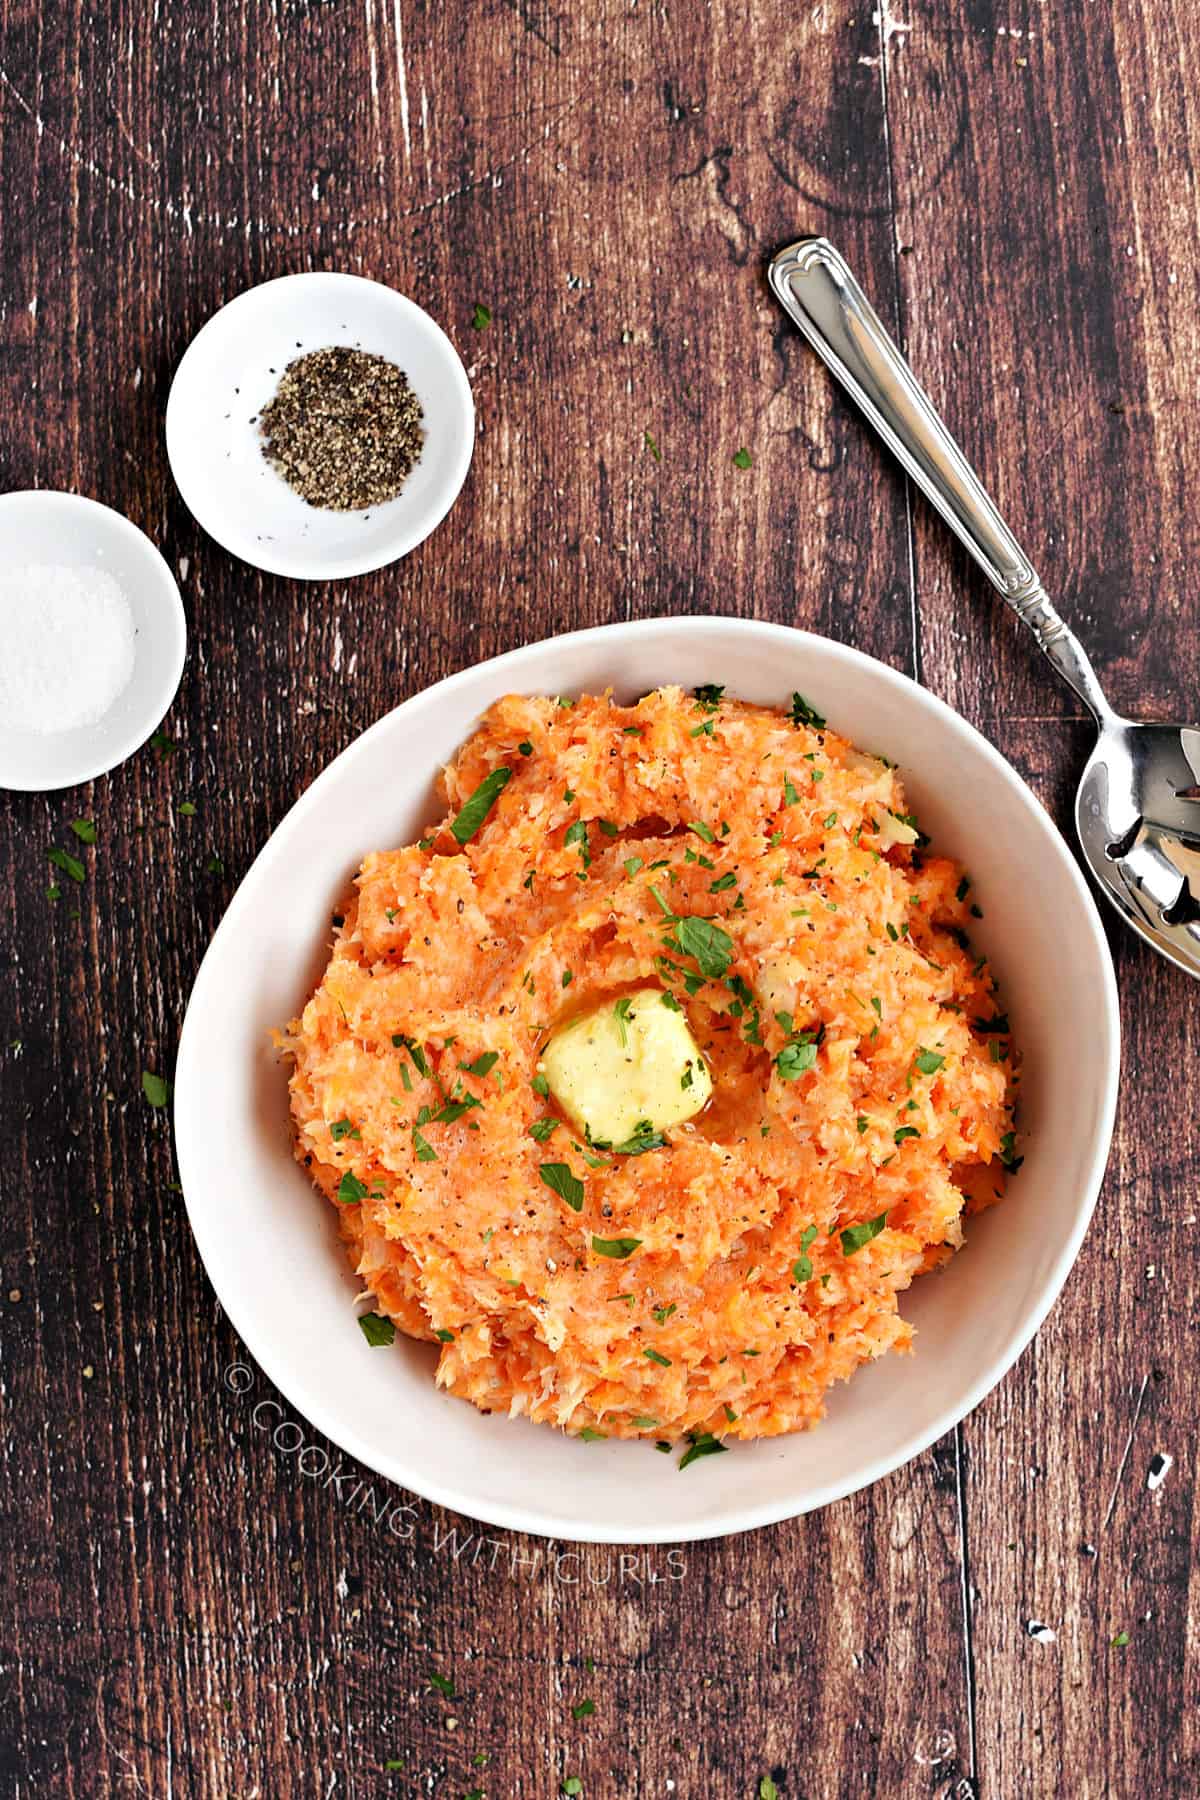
[42, 526]
[270, 1243]
[230, 371]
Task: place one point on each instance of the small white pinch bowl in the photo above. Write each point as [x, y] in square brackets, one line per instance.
[269, 1241]
[232, 368]
[42, 525]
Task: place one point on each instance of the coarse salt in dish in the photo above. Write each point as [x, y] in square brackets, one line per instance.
[750, 877]
[66, 646]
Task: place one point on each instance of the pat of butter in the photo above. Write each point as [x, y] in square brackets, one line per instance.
[624, 1064]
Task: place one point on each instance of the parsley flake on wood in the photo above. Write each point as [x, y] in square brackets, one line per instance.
[70, 865]
[156, 1090]
[84, 829]
[562, 1180]
[442, 1683]
[481, 318]
[742, 458]
[767, 1789]
[480, 804]
[651, 446]
[855, 1236]
[616, 1248]
[377, 1330]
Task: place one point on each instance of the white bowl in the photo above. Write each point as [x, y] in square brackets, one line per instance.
[231, 369]
[269, 1242]
[65, 530]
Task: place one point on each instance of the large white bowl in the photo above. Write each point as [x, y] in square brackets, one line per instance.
[268, 1241]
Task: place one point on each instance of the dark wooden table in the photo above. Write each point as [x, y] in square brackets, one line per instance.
[183, 1613]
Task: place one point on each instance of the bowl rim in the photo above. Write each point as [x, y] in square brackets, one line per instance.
[527, 1518]
[271, 559]
[170, 614]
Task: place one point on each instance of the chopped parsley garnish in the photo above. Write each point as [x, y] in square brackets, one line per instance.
[905, 1131]
[802, 1269]
[424, 1149]
[862, 1124]
[84, 829]
[855, 1236]
[590, 1435]
[442, 1683]
[704, 729]
[654, 1356]
[156, 1090]
[929, 1062]
[670, 1002]
[343, 1128]
[443, 1336]
[577, 834]
[621, 1013]
[705, 942]
[70, 865]
[616, 1248]
[480, 804]
[702, 830]
[643, 1138]
[701, 1443]
[631, 865]
[525, 747]
[804, 714]
[376, 1329]
[708, 695]
[540, 1130]
[830, 820]
[562, 1180]
[483, 1065]
[997, 1026]
[608, 828]
[795, 1058]
[722, 882]
[1008, 1156]
[790, 793]
[540, 1085]
[420, 1061]
[742, 458]
[662, 1313]
[350, 1189]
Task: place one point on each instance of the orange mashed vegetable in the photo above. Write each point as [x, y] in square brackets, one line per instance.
[775, 1231]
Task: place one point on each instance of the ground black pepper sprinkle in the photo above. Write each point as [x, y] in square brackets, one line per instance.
[344, 428]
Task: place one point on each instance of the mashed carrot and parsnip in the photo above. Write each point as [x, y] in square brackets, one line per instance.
[647, 1080]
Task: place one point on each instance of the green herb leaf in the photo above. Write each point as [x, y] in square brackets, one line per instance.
[70, 865]
[562, 1180]
[742, 459]
[790, 792]
[540, 1130]
[855, 1236]
[651, 446]
[480, 804]
[350, 1189]
[577, 834]
[632, 865]
[655, 1356]
[343, 1128]
[702, 830]
[767, 1789]
[794, 1059]
[705, 942]
[481, 318]
[702, 1443]
[84, 830]
[802, 1268]
[708, 695]
[722, 882]
[156, 1090]
[443, 1336]
[642, 1139]
[929, 1062]
[187, 808]
[442, 1683]
[804, 714]
[905, 1131]
[540, 1085]
[621, 1013]
[662, 1313]
[483, 1065]
[424, 1149]
[376, 1329]
[1120, 1639]
[616, 1248]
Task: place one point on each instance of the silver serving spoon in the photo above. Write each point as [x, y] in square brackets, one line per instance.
[1137, 811]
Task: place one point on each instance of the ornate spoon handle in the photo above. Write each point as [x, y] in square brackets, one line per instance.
[815, 287]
